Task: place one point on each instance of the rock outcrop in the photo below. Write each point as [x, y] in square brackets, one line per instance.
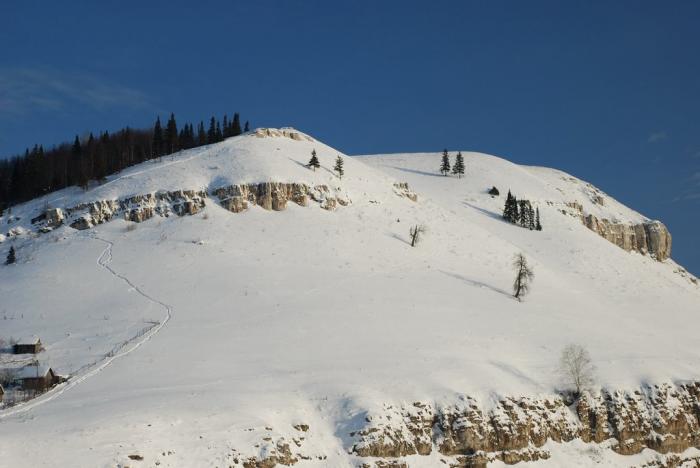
[275, 195]
[137, 208]
[651, 237]
[402, 190]
[663, 418]
[280, 132]
[648, 238]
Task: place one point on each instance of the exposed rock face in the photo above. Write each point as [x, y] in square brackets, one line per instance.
[402, 189]
[137, 208]
[663, 418]
[54, 217]
[275, 195]
[647, 238]
[235, 198]
[280, 132]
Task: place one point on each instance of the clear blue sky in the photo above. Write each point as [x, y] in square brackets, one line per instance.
[608, 91]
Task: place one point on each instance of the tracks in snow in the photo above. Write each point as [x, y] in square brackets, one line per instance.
[122, 350]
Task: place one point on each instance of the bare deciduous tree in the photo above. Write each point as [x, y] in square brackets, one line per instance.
[576, 368]
[7, 376]
[416, 232]
[523, 276]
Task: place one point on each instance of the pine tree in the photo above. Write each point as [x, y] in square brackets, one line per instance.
[157, 139]
[524, 206]
[219, 133]
[211, 134]
[11, 257]
[201, 135]
[531, 217]
[171, 135]
[458, 168]
[508, 207]
[313, 162]
[226, 127]
[247, 127]
[538, 225]
[339, 167]
[236, 125]
[510, 211]
[445, 166]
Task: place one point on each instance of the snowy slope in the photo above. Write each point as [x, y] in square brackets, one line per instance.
[313, 316]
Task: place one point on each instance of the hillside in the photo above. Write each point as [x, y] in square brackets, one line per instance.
[236, 332]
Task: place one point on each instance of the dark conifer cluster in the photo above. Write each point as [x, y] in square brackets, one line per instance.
[520, 212]
[457, 169]
[94, 157]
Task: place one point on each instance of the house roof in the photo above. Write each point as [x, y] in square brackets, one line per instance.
[29, 340]
[29, 372]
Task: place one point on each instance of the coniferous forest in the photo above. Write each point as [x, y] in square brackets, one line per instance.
[96, 156]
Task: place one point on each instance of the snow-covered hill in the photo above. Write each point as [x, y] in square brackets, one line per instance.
[208, 339]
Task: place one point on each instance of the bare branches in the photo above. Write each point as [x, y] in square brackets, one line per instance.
[416, 233]
[523, 276]
[576, 368]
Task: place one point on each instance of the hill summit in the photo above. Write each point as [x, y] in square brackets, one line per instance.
[232, 305]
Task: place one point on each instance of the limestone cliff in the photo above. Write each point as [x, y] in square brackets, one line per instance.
[664, 418]
[651, 237]
[235, 198]
[648, 238]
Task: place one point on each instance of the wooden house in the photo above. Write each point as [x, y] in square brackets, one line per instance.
[37, 378]
[29, 345]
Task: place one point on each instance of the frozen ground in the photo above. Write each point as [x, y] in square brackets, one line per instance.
[309, 316]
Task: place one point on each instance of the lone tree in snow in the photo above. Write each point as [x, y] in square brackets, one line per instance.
[523, 276]
[339, 167]
[538, 225]
[458, 168]
[445, 166]
[576, 368]
[313, 162]
[11, 257]
[416, 232]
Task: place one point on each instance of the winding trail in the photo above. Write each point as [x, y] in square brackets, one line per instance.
[121, 350]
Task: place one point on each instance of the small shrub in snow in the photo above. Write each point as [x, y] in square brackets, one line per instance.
[416, 233]
[11, 256]
[494, 191]
[576, 368]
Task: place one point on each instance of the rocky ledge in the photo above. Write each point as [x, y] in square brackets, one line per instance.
[235, 198]
[664, 418]
[651, 237]
[648, 238]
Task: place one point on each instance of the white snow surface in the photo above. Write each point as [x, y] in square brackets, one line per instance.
[186, 333]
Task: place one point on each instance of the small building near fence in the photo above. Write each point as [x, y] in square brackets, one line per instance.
[29, 345]
[37, 378]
